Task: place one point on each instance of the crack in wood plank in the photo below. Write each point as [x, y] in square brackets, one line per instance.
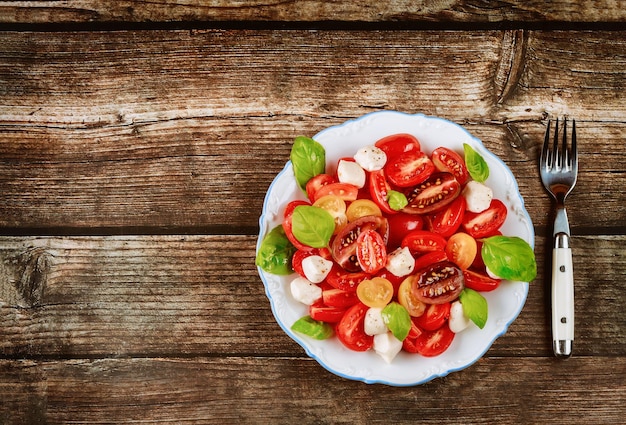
[511, 64]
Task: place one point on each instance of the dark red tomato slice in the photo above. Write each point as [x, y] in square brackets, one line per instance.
[345, 191]
[371, 251]
[315, 183]
[398, 144]
[409, 169]
[344, 246]
[324, 313]
[400, 225]
[479, 281]
[350, 329]
[340, 279]
[438, 283]
[434, 317]
[422, 241]
[408, 344]
[435, 193]
[486, 223]
[288, 225]
[333, 297]
[448, 220]
[433, 343]
[451, 162]
[429, 258]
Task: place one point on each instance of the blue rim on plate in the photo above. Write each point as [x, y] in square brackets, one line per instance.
[505, 303]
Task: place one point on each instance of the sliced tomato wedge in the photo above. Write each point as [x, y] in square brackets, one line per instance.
[409, 169]
[449, 161]
[422, 241]
[346, 281]
[351, 331]
[448, 220]
[433, 343]
[371, 251]
[435, 193]
[479, 281]
[434, 317]
[486, 223]
[315, 183]
[379, 190]
[398, 144]
[325, 313]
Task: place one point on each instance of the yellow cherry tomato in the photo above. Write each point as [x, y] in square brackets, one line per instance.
[336, 207]
[376, 292]
[406, 298]
[361, 208]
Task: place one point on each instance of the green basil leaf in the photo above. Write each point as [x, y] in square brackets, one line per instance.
[275, 252]
[476, 165]
[397, 319]
[396, 200]
[308, 158]
[313, 328]
[509, 257]
[474, 306]
[312, 226]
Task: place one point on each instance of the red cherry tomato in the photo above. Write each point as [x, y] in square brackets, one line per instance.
[422, 241]
[333, 297]
[438, 283]
[324, 313]
[344, 246]
[408, 344]
[429, 258]
[288, 225]
[398, 144]
[479, 281]
[379, 190]
[434, 317]
[449, 161]
[345, 191]
[409, 169]
[433, 343]
[340, 279]
[438, 191]
[371, 251]
[486, 223]
[316, 183]
[350, 329]
[447, 220]
[400, 225]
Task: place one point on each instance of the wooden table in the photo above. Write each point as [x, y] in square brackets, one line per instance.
[137, 140]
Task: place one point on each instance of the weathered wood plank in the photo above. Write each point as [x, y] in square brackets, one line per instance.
[286, 390]
[200, 110]
[192, 295]
[310, 11]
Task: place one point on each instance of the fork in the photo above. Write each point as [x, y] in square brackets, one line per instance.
[558, 169]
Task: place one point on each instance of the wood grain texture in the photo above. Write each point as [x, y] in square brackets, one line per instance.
[119, 296]
[285, 390]
[311, 11]
[198, 111]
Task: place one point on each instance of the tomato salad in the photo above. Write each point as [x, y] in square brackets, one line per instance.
[392, 250]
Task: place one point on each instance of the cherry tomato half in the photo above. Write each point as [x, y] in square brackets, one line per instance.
[434, 317]
[479, 281]
[409, 169]
[345, 191]
[325, 313]
[346, 281]
[337, 298]
[438, 283]
[461, 250]
[422, 241]
[486, 223]
[371, 251]
[438, 191]
[379, 190]
[375, 292]
[433, 343]
[351, 329]
[400, 225]
[315, 183]
[361, 208]
[398, 144]
[449, 161]
[408, 300]
[447, 220]
[429, 258]
[288, 225]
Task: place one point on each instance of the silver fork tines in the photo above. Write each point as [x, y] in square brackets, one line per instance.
[558, 168]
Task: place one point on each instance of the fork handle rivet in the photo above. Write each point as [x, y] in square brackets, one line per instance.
[562, 269]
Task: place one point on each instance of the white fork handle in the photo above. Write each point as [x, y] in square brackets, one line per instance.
[562, 300]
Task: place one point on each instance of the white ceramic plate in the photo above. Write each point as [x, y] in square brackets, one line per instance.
[505, 303]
